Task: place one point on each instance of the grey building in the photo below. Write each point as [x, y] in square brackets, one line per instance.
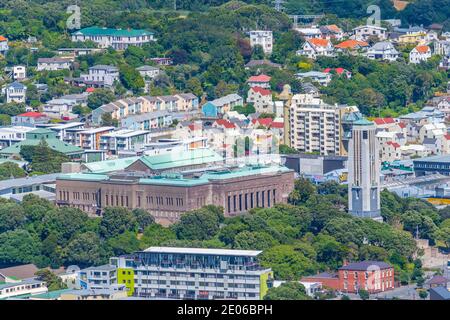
[364, 171]
[314, 165]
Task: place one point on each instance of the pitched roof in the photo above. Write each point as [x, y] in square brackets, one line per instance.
[394, 144]
[351, 44]
[381, 121]
[364, 265]
[31, 114]
[263, 121]
[98, 31]
[438, 280]
[277, 125]
[260, 78]
[225, 123]
[3, 39]
[338, 70]
[262, 91]
[319, 42]
[422, 49]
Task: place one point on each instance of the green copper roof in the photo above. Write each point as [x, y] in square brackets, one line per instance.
[83, 177]
[53, 143]
[110, 165]
[98, 31]
[180, 159]
[362, 122]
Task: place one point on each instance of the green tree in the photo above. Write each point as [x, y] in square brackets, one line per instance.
[201, 224]
[363, 294]
[12, 216]
[52, 281]
[131, 79]
[287, 291]
[100, 97]
[116, 220]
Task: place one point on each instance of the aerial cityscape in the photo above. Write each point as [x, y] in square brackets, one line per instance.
[225, 150]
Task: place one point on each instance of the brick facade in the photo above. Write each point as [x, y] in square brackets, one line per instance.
[166, 203]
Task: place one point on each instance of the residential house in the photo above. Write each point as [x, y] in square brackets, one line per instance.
[352, 46]
[148, 72]
[118, 39]
[383, 51]
[147, 121]
[339, 71]
[186, 102]
[315, 47]
[322, 78]
[53, 64]
[61, 107]
[29, 119]
[16, 92]
[419, 54]
[162, 61]
[390, 151]
[19, 73]
[220, 106]
[331, 31]
[101, 76]
[262, 38]
[309, 32]
[3, 45]
[262, 81]
[434, 145]
[261, 99]
[364, 33]
[261, 63]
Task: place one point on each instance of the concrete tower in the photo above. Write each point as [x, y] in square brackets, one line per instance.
[364, 172]
[286, 97]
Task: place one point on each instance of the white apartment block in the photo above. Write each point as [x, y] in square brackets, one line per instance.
[315, 125]
[25, 287]
[124, 140]
[262, 38]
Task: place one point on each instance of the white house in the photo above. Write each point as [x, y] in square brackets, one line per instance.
[3, 45]
[53, 64]
[309, 33]
[368, 31]
[323, 78]
[263, 38]
[261, 99]
[119, 39]
[383, 51]
[16, 92]
[315, 47]
[148, 72]
[419, 54]
[19, 73]
[101, 75]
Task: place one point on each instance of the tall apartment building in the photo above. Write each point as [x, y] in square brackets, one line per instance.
[364, 171]
[316, 126]
[262, 38]
[187, 273]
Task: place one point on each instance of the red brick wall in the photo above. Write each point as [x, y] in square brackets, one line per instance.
[374, 281]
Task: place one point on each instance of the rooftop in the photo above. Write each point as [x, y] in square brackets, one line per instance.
[365, 265]
[220, 252]
[98, 31]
